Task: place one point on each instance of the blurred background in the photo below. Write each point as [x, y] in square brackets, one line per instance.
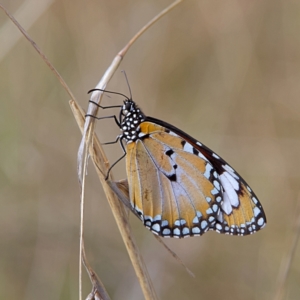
[226, 72]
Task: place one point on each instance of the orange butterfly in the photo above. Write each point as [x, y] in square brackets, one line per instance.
[178, 187]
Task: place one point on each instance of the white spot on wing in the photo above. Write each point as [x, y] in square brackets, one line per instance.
[216, 156]
[219, 226]
[196, 230]
[233, 181]
[177, 223]
[215, 207]
[256, 211]
[216, 184]
[211, 219]
[202, 156]
[156, 227]
[214, 191]
[220, 217]
[164, 223]
[157, 218]
[219, 199]
[173, 133]
[209, 211]
[229, 193]
[208, 199]
[203, 224]
[231, 171]
[147, 218]
[176, 231]
[166, 231]
[188, 148]
[141, 134]
[226, 206]
[185, 231]
[208, 169]
[228, 168]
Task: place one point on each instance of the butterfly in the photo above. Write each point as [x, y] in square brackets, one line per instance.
[179, 187]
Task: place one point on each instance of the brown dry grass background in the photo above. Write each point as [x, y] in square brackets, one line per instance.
[227, 72]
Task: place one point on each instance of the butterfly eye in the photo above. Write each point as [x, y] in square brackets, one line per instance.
[126, 108]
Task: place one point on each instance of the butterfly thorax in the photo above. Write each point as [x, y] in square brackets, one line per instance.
[131, 118]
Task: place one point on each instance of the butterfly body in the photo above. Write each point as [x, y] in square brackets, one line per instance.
[178, 186]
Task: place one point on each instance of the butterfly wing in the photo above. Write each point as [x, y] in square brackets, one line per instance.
[181, 188]
[241, 212]
[175, 192]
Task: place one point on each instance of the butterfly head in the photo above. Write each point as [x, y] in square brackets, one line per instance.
[130, 119]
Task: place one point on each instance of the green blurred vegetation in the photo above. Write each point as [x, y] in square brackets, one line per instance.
[227, 72]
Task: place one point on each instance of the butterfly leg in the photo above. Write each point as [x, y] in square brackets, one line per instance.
[113, 142]
[106, 117]
[119, 138]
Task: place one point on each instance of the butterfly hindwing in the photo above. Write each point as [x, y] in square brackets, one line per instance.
[175, 192]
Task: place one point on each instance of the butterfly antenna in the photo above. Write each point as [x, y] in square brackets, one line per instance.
[127, 83]
[106, 91]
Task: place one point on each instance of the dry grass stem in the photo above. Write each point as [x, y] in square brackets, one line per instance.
[98, 290]
[27, 14]
[117, 209]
